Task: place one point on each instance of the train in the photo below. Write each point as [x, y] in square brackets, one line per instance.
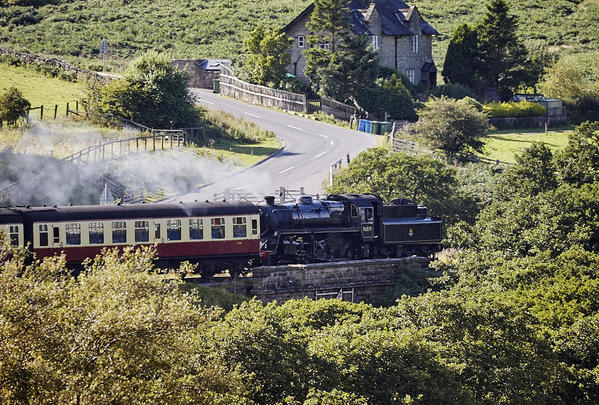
[235, 236]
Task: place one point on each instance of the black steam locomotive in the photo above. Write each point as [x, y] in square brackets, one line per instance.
[347, 226]
[233, 236]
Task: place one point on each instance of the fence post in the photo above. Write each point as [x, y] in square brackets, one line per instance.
[77, 105]
[67, 109]
[42, 112]
[55, 110]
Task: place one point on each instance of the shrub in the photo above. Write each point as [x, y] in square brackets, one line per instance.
[13, 106]
[454, 90]
[514, 109]
[387, 96]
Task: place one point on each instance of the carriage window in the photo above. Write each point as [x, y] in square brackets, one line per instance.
[73, 232]
[142, 231]
[119, 232]
[254, 227]
[14, 235]
[354, 211]
[157, 234]
[196, 228]
[218, 228]
[96, 233]
[173, 229]
[239, 227]
[56, 234]
[43, 235]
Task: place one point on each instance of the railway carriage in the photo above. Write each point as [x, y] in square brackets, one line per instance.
[12, 224]
[216, 236]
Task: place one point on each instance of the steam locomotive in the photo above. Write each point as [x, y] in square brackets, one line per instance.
[233, 236]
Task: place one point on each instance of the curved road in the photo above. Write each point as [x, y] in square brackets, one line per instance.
[310, 148]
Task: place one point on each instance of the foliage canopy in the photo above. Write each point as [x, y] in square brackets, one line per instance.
[13, 106]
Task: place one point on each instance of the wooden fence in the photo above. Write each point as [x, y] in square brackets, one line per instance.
[53, 110]
[338, 110]
[409, 147]
[262, 95]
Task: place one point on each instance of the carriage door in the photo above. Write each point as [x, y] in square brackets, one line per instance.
[55, 236]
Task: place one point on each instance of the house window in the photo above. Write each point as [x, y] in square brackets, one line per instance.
[73, 232]
[411, 73]
[325, 45]
[375, 42]
[173, 229]
[239, 227]
[142, 231]
[218, 228]
[415, 43]
[301, 41]
[119, 232]
[96, 233]
[196, 229]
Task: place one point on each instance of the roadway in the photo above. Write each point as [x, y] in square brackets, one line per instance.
[309, 149]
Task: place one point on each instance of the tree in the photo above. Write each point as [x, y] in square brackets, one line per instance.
[13, 106]
[152, 92]
[575, 80]
[387, 96]
[337, 62]
[453, 126]
[578, 163]
[502, 55]
[266, 57]
[462, 60]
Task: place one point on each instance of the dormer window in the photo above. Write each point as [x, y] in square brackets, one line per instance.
[415, 43]
[301, 41]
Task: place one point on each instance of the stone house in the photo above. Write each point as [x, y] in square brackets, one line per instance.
[401, 36]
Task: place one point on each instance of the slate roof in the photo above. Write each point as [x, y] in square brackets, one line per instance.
[394, 21]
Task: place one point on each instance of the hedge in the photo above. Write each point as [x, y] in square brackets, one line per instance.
[514, 109]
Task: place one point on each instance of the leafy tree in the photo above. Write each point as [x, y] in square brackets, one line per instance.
[575, 80]
[152, 92]
[267, 54]
[452, 126]
[387, 96]
[337, 62]
[502, 55]
[330, 21]
[13, 106]
[462, 61]
[578, 163]
[117, 334]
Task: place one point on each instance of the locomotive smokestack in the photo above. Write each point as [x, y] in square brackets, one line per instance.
[270, 200]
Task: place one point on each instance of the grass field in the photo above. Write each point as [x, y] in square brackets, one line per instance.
[40, 89]
[505, 144]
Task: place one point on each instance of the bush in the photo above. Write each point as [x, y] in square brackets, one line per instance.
[13, 106]
[514, 109]
[387, 96]
[454, 90]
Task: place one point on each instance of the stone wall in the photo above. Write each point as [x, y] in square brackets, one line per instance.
[338, 110]
[372, 281]
[79, 73]
[262, 95]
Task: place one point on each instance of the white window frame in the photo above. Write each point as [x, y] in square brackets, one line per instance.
[415, 43]
[411, 73]
[375, 42]
[301, 41]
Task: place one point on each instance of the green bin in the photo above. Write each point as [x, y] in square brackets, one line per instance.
[216, 86]
[386, 127]
[375, 128]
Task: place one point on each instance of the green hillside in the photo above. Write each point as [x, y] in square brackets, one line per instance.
[215, 28]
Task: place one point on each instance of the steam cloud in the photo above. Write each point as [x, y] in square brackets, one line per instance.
[47, 180]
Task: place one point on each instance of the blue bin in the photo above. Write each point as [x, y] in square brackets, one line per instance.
[364, 126]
